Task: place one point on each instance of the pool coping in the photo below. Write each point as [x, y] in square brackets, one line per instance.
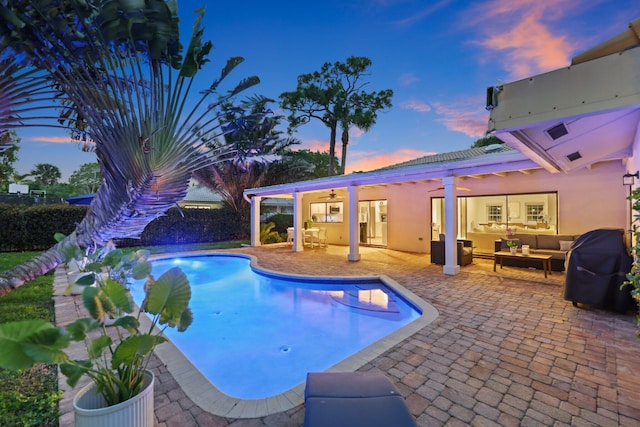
[206, 395]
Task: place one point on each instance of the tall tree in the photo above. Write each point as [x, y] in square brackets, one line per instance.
[86, 179]
[335, 95]
[258, 143]
[45, 174]
[298, 165]
[122, 66]
[8, 156]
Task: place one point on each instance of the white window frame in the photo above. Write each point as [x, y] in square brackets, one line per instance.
[492, 216]
[327, 212]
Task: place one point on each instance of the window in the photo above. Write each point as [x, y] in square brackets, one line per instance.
[327, 211]
[494, 213]
[535, 212]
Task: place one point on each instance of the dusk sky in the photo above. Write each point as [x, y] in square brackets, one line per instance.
[437, 56]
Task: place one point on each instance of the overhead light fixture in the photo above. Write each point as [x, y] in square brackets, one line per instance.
[628, 178]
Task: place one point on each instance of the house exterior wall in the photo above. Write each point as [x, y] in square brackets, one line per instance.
[408, 215]
[587, 199]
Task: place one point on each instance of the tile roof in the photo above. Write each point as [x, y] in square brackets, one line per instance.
[451, 156]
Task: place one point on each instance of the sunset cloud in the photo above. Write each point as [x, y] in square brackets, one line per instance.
[366, 161]
[53, 139]
[314, 145]
[407, 79]
[521, 34]
[355, 133]
[422, 14]
[414, 105]
[466, 117]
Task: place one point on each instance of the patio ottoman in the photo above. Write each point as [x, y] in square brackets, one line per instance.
[354, 399]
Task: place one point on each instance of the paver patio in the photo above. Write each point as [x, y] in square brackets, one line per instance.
[506, 349]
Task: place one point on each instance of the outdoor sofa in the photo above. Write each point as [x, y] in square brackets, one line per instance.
[556, 245]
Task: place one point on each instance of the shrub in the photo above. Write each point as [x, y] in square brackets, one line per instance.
[33, 227]
[281, 221]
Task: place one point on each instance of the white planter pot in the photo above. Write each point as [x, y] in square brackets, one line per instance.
[513, 250]
[90, 409]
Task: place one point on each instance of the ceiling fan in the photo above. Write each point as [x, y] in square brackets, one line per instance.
[333, 196]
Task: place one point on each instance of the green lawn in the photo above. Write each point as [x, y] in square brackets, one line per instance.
[30, 398]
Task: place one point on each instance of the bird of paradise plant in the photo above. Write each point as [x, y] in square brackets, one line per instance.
[123, 83]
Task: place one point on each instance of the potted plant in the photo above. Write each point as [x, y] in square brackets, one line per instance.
[118, 356]
[513, 246]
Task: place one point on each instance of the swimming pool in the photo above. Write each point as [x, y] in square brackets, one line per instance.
[256, 334]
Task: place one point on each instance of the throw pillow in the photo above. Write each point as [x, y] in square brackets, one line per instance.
[565, 245]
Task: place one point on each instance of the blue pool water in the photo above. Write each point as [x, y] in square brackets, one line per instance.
[256, 335]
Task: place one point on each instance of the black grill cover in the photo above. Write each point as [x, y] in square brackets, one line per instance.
[597, 265]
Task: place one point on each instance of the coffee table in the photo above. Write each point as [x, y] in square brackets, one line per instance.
[545, 259]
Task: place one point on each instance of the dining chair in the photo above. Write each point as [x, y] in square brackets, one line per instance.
[323, 239]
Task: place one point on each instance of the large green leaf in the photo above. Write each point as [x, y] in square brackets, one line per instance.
[19, 342]
[169, 296]
[79, 328]
[98, 345]
[185, 320]
[74, 371]
[134, 347]
[95, 267]
[195, 55]
[118, 294]
[47, 345]
[93, 303]
[86, 280]
[112, 258]
[141, 270]
[129, 323]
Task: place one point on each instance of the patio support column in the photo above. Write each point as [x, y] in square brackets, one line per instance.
[451, 266]
[354, 224]
[297, 222]
[255, 220]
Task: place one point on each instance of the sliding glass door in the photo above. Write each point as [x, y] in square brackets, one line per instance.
[372, 215]
[484, 219]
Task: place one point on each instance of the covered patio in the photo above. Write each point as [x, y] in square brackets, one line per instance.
[506, 349]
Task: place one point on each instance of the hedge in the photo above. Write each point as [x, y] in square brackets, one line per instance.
[32, 228]
[28, 228]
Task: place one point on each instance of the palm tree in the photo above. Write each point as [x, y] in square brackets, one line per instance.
[45, 174]
[257, 145]
[335, 95]
[118, 66]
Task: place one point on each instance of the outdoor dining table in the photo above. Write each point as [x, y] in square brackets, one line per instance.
[313, 234]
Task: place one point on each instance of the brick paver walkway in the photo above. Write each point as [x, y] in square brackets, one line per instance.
[506, 349]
